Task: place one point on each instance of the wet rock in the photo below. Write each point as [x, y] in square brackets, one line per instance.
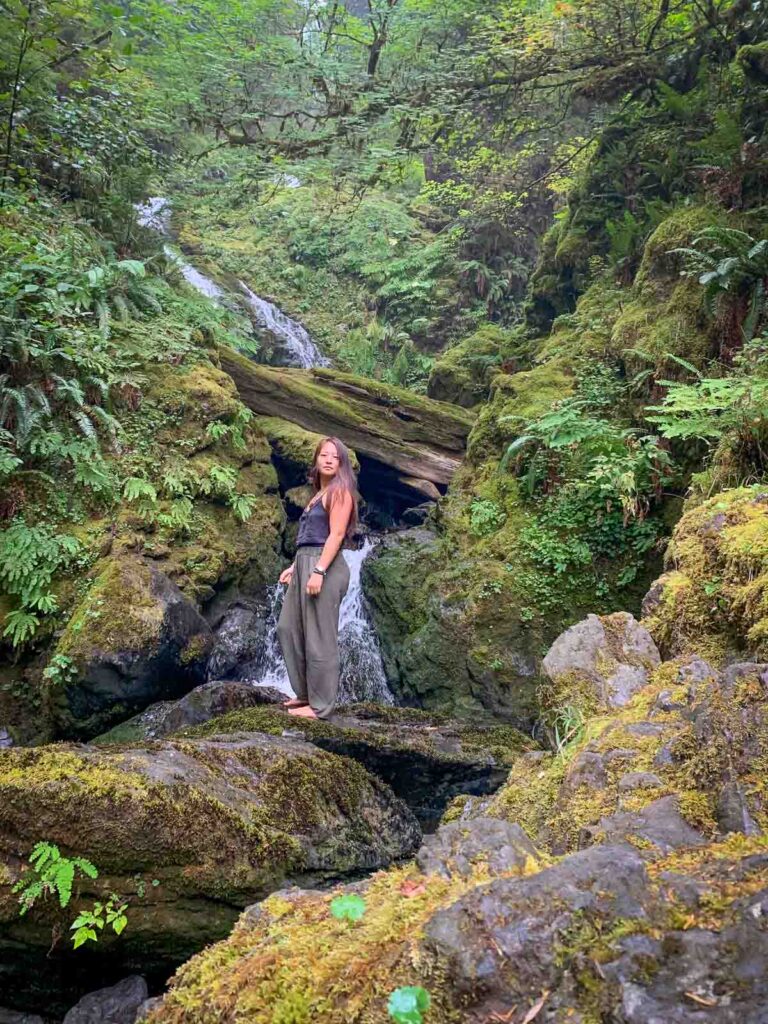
[6, 740]
[426, 758]
[659, 823]
[453, 850]
[198, 706]
[417, 515]
[588, 770]
[216, 823]
[732, 810]
[134, 639]
[119, 1004]
[609, 656]
[239, 640]
[639, 780]
[504, 939]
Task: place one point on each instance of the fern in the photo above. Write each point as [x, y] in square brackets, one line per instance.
[135, 489]
[243, 505]
[50, 874]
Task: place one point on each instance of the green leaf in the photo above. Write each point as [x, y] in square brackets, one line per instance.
[349, 907]
[406, 1005]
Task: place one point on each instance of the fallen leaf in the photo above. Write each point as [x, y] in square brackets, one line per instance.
[701, 999]
[411, 888]
[504, 1018]
[536, 1008]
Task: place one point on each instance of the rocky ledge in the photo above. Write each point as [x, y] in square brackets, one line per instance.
[189, 832]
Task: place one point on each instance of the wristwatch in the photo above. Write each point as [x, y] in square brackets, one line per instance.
[319, 571]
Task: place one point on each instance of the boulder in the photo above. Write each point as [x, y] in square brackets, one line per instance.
[433, 634]
[133, 640]
[188, 832]
[426, 758]
[600, 662]
[118, 1004]
[456, 847]
[198, 706]
[713, 599]
[415, 435]
[598, 936]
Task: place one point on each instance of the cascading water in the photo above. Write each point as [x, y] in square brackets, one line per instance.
[156, 214]
[297, 346]
[362, 671]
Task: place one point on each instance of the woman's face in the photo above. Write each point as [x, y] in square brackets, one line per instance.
[328, 460]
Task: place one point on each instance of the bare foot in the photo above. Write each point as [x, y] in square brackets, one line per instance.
[294, 703]
[305, 712]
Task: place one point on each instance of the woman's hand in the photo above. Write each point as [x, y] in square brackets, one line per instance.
[314, 584]
[286, 575]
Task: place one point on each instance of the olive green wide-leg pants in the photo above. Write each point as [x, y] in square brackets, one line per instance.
[308, 631]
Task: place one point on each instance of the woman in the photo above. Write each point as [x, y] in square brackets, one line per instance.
[308, 629]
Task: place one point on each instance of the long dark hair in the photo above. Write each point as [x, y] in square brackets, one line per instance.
[345, 481]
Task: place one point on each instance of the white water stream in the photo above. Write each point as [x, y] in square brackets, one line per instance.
[362, 671]
[297, 348]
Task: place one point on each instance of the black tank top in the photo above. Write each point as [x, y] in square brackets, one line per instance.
[314, 526]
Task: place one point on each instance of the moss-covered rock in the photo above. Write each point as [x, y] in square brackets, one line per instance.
[462, 374]
[188, 831]
[133, 639]
[714, 597]
[600, 931]
[671, 741]
[426, 758]
[448, 640]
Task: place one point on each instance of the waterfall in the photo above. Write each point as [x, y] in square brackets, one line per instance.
[362, 671]
[297, 346]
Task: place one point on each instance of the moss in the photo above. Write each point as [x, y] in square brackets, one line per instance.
[715, 600]
[754, 61]
[462, 374]
[401, 728]
[119, 612]
[294, 955]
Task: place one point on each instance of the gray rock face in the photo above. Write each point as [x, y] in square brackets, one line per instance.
[198, 706]
[502, 939]
[659, 823]
[613, 654]
[454, 848]
[700, 975]
[118, 1004]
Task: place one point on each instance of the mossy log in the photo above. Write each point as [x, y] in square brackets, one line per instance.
[417, 436]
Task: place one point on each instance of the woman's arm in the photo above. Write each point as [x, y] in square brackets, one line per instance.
[338, 519]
